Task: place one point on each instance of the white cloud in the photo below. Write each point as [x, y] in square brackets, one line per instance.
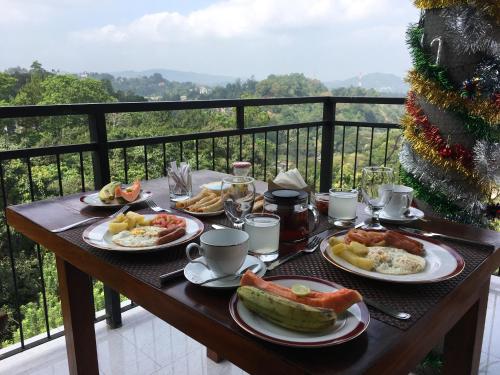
[235, 19]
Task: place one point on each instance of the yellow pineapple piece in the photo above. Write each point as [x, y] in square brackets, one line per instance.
[115, 228]
[358, 248]
[355, 260]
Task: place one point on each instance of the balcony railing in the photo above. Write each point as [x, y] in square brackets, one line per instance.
[318, 148]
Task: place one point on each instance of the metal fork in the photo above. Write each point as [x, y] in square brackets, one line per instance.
[311, 247]
[152, 204]
[62, 229]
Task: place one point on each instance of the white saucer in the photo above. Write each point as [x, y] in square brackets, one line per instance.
[197, 273]
[415, 212]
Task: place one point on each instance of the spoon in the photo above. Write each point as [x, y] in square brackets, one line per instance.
[253, 267]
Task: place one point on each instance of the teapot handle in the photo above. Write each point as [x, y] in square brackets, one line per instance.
[315, 213]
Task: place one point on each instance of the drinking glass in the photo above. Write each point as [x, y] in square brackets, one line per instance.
[377, 184]
[342, 207]
[238, 195]
[264, 232]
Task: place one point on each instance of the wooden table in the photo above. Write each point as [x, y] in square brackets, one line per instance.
[203, 314]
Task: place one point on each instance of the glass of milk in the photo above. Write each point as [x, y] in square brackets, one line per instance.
[264, 232]
[342, 207]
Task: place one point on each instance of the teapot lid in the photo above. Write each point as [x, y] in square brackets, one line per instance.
[286, 196]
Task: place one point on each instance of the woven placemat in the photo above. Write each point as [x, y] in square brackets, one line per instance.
[414, 299]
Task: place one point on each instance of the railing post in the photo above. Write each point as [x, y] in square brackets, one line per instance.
[240, 117]
[102, 176]
[326, 170]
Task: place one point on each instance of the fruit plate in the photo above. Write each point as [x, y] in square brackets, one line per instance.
[97, 235]
[348, 326]
[93, 200]
[442, 263]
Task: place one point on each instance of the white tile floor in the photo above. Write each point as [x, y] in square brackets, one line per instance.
[147, 345]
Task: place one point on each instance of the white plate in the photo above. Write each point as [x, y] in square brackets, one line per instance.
[197, 273]
[202, 214]
[349, 325]
[415, 212]
[97, 235]
[441, 263]
[93, 200]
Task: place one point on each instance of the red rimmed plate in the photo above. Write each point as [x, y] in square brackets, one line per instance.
[349, 325]
[97, 235]
[442, 263]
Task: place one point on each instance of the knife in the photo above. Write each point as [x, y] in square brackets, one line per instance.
[445, 236]
[171, 275]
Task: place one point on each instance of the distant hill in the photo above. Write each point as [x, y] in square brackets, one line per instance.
[179, 76]
[382, 82]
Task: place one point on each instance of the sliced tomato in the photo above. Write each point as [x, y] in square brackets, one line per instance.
[166, 220]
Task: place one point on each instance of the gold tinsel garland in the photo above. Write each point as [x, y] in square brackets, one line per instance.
[452, 100]
[489, 7]
[428, 153]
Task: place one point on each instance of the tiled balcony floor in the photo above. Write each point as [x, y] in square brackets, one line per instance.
[147, 345]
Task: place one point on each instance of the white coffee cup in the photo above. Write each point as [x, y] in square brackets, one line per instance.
[400, 201]
[223, 250]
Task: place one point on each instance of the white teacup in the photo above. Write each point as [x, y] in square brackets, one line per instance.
[400, 201]
[223, 250]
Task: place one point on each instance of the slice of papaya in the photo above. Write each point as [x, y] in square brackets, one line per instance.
[339, 300]
[130, 193]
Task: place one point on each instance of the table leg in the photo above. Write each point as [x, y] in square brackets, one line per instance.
[214, 356]
[75, 287]
[462, 345]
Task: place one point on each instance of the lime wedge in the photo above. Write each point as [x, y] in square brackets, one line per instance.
[300, 290]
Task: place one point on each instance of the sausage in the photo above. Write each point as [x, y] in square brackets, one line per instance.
[402, 242]
[168, 229]
[172, 236]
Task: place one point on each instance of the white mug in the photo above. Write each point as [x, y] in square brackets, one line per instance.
[400, 201]
[223, 250]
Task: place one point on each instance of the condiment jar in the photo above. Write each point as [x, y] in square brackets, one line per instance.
[292, 208]
[241, 168]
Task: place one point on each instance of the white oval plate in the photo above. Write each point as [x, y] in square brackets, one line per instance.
[441, 263]
[197, 273]
[93, 200]
[97, 235]
[349, 325]
[415, 212]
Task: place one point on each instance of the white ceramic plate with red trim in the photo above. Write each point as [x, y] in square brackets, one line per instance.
[441, 263]
[97, 235]
[94, 201]
[348, 326]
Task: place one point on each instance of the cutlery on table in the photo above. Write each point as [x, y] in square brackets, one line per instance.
[311, 247]
[152, 204]
[252, 268]
[62, 229]
[389, 311]
[445, 236]
[171, 275]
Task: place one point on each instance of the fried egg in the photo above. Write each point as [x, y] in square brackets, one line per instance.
[138, 237]
[390, 260]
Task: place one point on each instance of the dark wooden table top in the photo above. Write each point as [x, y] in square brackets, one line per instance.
[203, 313]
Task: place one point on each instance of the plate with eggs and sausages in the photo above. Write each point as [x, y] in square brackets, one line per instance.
[133, 232]
[392, 256]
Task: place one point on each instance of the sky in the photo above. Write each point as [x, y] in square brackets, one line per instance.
[324, 39]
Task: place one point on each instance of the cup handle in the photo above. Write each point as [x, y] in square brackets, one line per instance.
[200, 250]
[315, 213]
[408, 202]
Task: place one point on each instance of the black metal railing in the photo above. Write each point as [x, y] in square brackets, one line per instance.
[317, 148]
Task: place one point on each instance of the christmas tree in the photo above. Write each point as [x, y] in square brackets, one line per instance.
[451, 152]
